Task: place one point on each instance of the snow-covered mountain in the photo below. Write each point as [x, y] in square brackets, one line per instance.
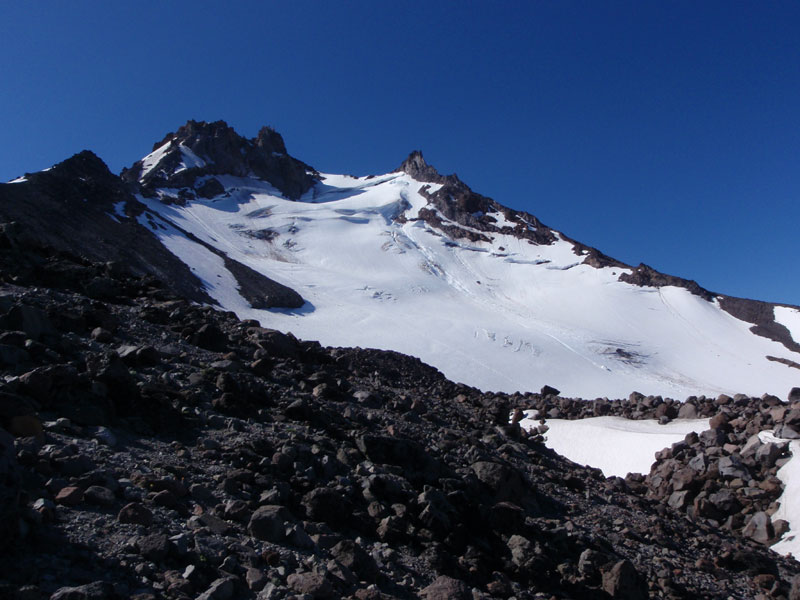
[417, 262]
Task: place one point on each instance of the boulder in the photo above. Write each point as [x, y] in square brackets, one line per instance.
[446, 588]
[548, 390]
[97, 590]
[221, 589]
[759, 528]
[269, 523]
[505, 481]
[731, 467]
[623, 582]
[787, 432]
[313, 584]
[135, 513]
[355, 558]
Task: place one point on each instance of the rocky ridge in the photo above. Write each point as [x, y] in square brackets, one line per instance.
[79, 206]
[463, 214]
[158, 448]
[191, 157]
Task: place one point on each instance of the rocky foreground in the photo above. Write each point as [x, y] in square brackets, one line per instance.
[157, 448]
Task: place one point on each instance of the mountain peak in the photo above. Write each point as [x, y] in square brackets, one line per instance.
[270, 140]
[85, 166]
[416, 166]
[198, 149]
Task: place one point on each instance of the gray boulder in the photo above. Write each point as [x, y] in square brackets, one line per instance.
[269, 522]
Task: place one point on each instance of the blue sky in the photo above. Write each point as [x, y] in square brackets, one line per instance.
[660, 132]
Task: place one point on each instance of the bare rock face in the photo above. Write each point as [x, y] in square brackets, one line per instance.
[216, 149]
[67, 209]
[420, 170]
[644, 275]
[80, 207]
[762, 316]
[467, 214]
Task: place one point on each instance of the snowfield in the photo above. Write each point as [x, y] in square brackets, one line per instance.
[615, 445]
[505, 315]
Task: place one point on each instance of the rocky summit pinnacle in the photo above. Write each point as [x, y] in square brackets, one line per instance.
[420, 170]
[190, 158]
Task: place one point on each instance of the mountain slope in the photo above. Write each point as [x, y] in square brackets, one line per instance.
[417, 262]
[167, 450]
[80, 207]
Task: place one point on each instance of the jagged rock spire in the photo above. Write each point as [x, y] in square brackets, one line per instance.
[420, 170]
[199, 148]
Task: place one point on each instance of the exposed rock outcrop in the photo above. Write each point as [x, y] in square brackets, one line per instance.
[80, 207]
[461, 213]
[190, 157]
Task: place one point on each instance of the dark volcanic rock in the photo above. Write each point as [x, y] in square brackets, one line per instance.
[79, 194]
[447, 588]
[224, 152]
[466, 213]
[623, 582]
[420, 170]
[644, 275]
[99, 590]
[135, 513]
[269, 523]
[181, 471]
[260, 291]
[98, 218]
[762, 316]
[313, 584]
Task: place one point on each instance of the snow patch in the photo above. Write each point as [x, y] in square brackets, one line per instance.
[789, 502]
[789, 318]
[190, 159]
[150, 161]
[119, 209]
[615, 445]
[119, 212]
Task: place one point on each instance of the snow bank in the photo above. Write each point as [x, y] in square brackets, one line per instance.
[789, 318]
[150, 161]
[615, 445]
[789, 509]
